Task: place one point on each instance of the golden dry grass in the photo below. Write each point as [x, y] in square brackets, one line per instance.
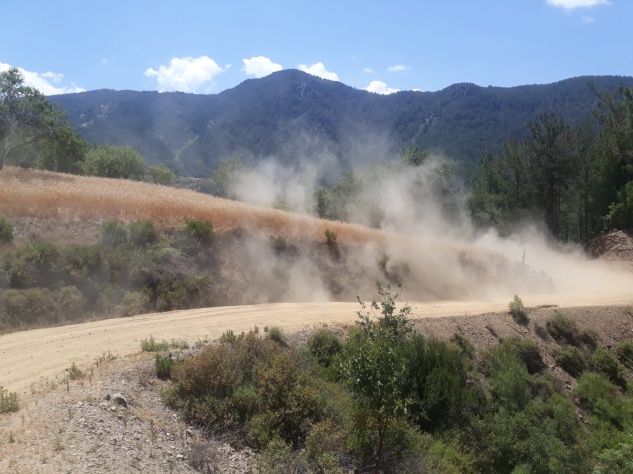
[43, 194]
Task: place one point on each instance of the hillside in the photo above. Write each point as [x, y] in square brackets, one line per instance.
[291, 114]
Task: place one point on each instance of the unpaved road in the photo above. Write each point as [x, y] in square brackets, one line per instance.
[29, 357]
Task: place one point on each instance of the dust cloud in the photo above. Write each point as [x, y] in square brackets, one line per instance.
[429, 243]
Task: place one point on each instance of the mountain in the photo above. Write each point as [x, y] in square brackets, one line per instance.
[290, 115]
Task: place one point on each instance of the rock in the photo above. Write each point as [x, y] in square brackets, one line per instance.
[120, 399]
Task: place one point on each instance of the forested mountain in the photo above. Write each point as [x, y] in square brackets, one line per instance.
[291, 114]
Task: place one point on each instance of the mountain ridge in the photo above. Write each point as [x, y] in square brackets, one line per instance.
[291, 114]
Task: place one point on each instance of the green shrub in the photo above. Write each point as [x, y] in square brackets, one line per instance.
[164, 366]
[604, 400]
[330, 237]
[589, 339]
[465, 346]
[74, 372]
[200, 230]
[509, 379]
[152, 345]
[160, 174]
[526, 350]
[36, 264]
[228, 337]
[625, 353]
[189, 291]
[324, 346]
[143, 233]
[563, 329]
[114, 162]
[9, 401]
[79, 262]
[113, 234]
[6, 230]
[276, 334]
[517, 311]
[570, 359]
[25, 308]
[602, 361]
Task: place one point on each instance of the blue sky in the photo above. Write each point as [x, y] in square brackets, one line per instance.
[209, 46]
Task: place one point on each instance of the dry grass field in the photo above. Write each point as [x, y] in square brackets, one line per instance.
[42, 194]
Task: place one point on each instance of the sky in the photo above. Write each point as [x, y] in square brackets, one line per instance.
[207, 46]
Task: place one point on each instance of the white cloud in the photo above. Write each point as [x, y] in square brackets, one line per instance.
[369, 70]
[571, 4]
[260, 66]
[185, 74]
[397, 68]
[318, 69]
[417, 90]
[48, 83]
[380, 87]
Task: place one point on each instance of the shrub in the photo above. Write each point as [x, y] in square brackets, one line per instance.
[160, 174]
[324, 346]
[602, 361]
[164, 366]
[29, 307]
[189, 291]
[517, 311]
[79, 262]
[527, 351]
[71, 303]
[143, 233]
[570, 359]
[8, 401]
[625, 353]
[200, 230]
[330, 237]
[135, 303]
[510, 381]
[6, 230]
[152, 345]
[114, 162]
[466, 347]
[228, 337]
[74, 372]
[277, 335]
[113, 234]
[604, 400]
[589, 339]
[36, 264]
[563, 329]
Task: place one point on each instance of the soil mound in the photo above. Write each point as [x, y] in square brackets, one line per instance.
[614, 247]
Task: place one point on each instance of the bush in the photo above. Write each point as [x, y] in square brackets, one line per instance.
[563, 329]
[143, 233]
[71, 303]
[8, 401]
[324, 346]
[228, 337]
[152, 345]
[160, 174]
[330, 237]
[510, 381]
[113, 234]
[135, 303]
[36, 264]
[604, 400]
[164, 366]
[28, 307]
[602, 361]
[527, 351]
[6, 230]
[114, 162]
[570, 359]
[277, 335]
[200, 230]
[517, 311]
[625, 354]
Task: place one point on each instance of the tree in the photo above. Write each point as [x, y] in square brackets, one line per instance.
[63, 152]
[374, 365]
[115, 162]
[160, 174]
[26, 116]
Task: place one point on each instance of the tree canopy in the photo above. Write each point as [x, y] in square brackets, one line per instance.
[26, 116]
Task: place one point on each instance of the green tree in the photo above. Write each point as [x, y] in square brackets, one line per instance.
[26, 116]
[114, 162]
[374, 365]
[64, 151]
[160, 174]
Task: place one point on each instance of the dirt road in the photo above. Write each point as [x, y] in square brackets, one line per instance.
[39, 355]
